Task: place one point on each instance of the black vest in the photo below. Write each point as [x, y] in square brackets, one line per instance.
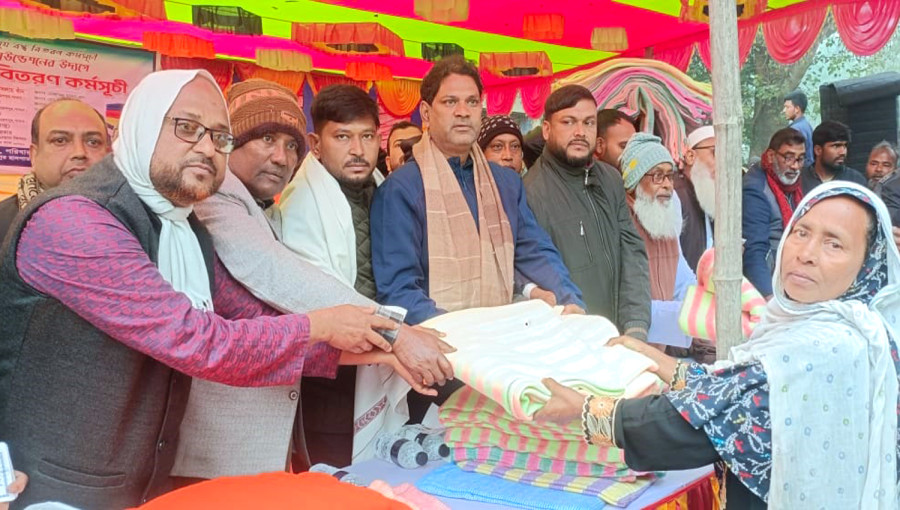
[360, 200]
[92, 422]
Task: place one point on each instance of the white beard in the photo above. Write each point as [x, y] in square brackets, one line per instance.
[787, 181]
[704, 188]
[661, 221]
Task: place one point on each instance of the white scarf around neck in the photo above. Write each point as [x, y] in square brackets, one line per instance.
[180, 259]
[832, 389]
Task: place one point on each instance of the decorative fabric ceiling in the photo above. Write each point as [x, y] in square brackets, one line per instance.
[374, 40]
[566, 31]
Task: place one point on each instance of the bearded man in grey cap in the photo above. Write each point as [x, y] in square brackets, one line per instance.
[649, 173]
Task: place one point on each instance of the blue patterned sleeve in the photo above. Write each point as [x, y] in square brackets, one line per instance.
[731, 405]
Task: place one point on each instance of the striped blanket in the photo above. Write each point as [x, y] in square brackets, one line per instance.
[505, 351]
[536, 462]
[473, 421]
[485, 439]
[698, 313]
[608, 489]
[452, 482]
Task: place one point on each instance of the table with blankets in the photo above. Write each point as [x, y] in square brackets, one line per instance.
[498, 453]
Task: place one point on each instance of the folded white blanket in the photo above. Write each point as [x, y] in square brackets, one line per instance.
[505, 351]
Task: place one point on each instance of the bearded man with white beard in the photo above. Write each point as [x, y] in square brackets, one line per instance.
[649, 173]
[696, 189]
[771, 191]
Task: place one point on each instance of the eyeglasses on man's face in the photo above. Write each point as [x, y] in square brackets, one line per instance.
[790, 159]
[660, 177]
[192, 131]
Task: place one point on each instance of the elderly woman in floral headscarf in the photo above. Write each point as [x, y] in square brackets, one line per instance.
[805, 413]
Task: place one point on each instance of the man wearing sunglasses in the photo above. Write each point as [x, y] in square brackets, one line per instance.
[771, 191]
[648, 171]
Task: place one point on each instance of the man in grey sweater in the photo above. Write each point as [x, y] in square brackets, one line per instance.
[231, 431]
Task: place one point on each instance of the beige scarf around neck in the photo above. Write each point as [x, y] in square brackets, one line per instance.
[28, 188]
[468, 266]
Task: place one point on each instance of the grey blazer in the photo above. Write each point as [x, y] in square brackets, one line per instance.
[230, 431]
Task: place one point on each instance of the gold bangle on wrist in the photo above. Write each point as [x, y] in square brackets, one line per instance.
[598, 420]
[679, 377]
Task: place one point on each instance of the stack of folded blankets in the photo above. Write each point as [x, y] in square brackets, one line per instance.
[502, 355]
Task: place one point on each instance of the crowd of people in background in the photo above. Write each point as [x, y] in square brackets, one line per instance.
[163, 293]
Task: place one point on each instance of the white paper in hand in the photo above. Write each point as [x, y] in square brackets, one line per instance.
[7, 475]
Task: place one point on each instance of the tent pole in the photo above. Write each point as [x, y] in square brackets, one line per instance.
[728, 121]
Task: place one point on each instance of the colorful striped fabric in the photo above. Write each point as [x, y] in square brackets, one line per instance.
[452, 482]
[607, 489]
[473, 420]
[671, 103]
[536, 462]
[505, 351]
[562, 450]
[467, 407]
[485, 439]
[698, 312]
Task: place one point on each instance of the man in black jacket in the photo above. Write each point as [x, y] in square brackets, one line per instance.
[581, 203]
[830, 141]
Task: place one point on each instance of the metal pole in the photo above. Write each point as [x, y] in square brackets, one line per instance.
[727, 120]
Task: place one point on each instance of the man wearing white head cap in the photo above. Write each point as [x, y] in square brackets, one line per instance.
[111, 299]
[696, 188]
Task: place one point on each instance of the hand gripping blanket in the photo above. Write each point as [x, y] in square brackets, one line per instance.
[479, 429]
[505, 351]
[485, 439]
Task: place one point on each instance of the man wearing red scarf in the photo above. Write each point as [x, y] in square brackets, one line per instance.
[771, 191]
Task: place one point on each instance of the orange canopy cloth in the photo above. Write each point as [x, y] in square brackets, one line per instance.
[498, 63]
[274, 491]
[178, 45]
[323, 35]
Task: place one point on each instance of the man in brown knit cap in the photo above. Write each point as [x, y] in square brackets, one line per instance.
[268, 126]
[269, 139]
[236, 431]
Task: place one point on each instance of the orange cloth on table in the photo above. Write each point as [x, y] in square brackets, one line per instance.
[700, 495]
[274, 491]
